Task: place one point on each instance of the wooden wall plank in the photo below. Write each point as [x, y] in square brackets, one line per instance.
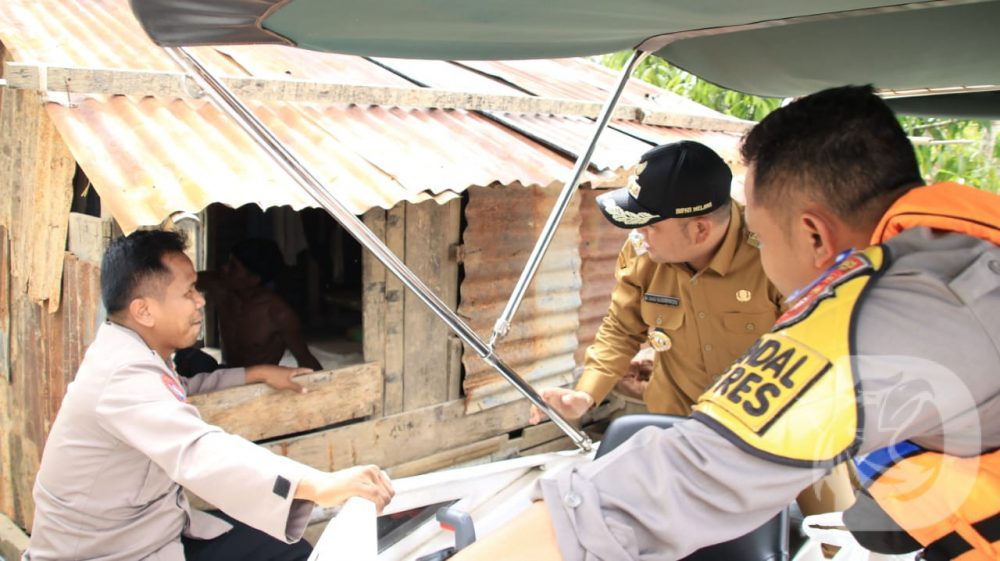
[172, 84]
[431, 231]
[4, 305]
[373, 275]
[257, 411]
[403, 437]
[36, 173]
[395, 292]
[89, 236]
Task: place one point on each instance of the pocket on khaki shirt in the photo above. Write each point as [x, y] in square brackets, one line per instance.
[663, 316]
[743, 328]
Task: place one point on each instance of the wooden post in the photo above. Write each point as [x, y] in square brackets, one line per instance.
[373, 297]
[431, 231]
[395, 292]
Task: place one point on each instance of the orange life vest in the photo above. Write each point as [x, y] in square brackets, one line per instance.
[948, 504]
[943, 206]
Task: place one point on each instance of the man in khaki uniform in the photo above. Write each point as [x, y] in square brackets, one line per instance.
[125, 439]
[690, 284]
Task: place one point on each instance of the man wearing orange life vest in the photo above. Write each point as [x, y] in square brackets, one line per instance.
[889, 355]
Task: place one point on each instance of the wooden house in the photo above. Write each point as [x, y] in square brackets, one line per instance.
[455, 165]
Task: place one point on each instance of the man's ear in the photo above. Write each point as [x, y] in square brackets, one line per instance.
[819, 234]
[699, 229]
[139, 311]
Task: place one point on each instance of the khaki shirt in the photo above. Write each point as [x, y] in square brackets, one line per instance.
[711, 318]
[125, 441]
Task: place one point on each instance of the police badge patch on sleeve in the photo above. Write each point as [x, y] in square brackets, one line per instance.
[174, 387]
[851, 266]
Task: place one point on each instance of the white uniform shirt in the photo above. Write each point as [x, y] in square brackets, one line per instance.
[124, 442]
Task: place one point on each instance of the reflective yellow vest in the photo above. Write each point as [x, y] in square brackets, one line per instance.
[792, 397]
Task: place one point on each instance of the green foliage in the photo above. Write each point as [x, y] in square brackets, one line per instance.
[956, 150]
[947, 149]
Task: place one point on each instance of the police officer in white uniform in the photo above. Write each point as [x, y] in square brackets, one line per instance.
[125, 439]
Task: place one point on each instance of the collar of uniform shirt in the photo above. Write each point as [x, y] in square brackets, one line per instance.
[726, 254]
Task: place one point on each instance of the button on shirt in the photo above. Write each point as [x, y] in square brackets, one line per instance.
[707, 316]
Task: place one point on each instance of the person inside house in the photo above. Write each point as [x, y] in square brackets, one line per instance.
[691, 285]
[256, 324]
[887, 355]
[126, 440]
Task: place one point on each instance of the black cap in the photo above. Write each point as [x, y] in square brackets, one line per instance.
[676, 180]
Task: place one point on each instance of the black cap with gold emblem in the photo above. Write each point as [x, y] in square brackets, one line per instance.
[676, 180]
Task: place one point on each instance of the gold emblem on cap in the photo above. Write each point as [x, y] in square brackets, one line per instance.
[743, 295]
[633, 179]
[626, 217]
[660, 341]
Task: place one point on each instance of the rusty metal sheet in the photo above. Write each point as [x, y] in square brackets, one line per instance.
[600, 243]
[150, 157]
[503, 223]
[46, 350]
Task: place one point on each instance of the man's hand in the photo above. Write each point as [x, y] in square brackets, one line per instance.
[333, 489]
[571, 404]
[278, 377]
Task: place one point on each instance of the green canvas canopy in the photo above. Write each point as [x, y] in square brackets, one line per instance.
[764, 47]
[768, 47]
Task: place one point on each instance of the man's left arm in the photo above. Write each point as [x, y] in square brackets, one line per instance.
[291, 331]
[670, 491]
[212, 381]
[278, 377]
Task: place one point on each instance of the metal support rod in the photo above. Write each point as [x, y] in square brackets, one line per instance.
[502, 325]
[238, 111]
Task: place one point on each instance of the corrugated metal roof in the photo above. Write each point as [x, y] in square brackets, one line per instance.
[149, 157]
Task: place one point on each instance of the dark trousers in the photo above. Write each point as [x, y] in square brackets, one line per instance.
[244, 543]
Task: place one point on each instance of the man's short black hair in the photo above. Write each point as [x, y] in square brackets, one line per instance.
[132, 261]
[260, 256]
[842, 147]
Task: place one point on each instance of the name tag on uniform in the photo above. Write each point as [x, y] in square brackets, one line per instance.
[658, 299]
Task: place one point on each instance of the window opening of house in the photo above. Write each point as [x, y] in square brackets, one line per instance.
[309, 262]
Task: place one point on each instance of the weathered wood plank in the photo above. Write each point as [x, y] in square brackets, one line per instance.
[257, 411]
[4, 305]
[174, 85]
[482, 451]
[373, 275]
[431, 230]
[402, 438]
[89, 237]
[36, 172]
[395, 294]
[50, 199]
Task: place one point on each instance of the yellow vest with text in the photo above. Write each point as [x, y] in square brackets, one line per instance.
[793, 397]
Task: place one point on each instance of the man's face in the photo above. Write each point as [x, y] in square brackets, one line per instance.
[237, 275]
[177, 310]
[666, 241]
[786, 256]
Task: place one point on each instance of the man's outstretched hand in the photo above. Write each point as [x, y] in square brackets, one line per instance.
[278, 377]
[334, 488]
[571, 404]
